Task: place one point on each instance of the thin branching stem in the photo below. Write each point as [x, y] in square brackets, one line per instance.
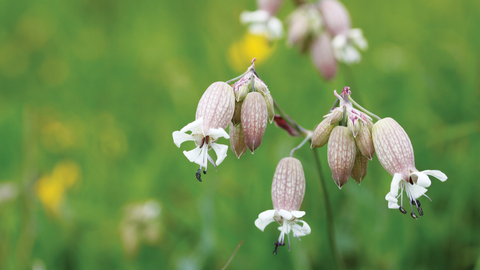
[328, 208]
[307, 138]
[233, 255]
[363, 109]
[289, 120]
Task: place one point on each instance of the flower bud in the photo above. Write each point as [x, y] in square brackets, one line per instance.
[304, 23]
[353, 126]
[364, 141]
[321, 133]
[393, 147]
[288, 187]
[323, 57]
[216, 106]
[254, 119]
[335, 116]
[341, 154]
[335, 16]
[359, 170]
[237, 140]
[237, 114]
[241, 92]
[262, 88]
[271, 6]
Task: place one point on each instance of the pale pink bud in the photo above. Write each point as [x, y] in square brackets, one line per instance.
[254, 119]
[321, 133]
[262, 88]
[216, 106]
[341, 154]
[359, 170]
[304, 23]
[237, 140]
[288, 187]
[335, 16]
[364, 141]
[270, 6]
[393, 147]
[323, 57]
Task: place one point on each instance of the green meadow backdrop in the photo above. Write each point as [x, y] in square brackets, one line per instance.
[91, 91]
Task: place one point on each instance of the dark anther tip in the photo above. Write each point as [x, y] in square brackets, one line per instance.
[402, 210]
[420, 210]
[418, 203]
[276, 248]
[204, 172]
[198, 174]
[414, 216]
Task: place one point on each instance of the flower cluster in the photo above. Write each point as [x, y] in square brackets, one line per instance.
[350, 145]
[220, 105]
[288, 190]
[352, 141]
[324, 28]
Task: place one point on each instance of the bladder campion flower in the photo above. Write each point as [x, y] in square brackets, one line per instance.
[214, 113]
[395, 153]
[288, 189]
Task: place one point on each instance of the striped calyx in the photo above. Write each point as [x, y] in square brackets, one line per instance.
[321, 133]
[288, 187]
[393, 147]
[341, 154]
[254, 119]
[216, 106]
[237, 140]
[364, 141]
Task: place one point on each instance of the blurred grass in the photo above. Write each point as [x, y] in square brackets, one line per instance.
[103, 84]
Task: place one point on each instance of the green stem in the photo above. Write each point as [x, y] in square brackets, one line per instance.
[328, 208]
[363, 109]
[238, 78]
[307, 138]
[289, 120]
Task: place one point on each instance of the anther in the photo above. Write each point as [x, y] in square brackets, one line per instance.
[402, 210]
[198, 174]
[414, 216]
[419, 209]
[277, 244]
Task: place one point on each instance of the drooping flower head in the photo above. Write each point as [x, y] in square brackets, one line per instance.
[288, 190]
[214, 113]
[395, 153]
[253, 108]
[350, 146]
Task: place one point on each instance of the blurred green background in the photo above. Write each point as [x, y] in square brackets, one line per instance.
[91, 91]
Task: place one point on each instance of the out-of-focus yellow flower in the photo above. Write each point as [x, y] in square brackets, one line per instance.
[51, 188]
[241, 53]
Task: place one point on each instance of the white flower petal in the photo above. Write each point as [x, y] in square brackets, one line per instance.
[274, 28]
[216, 133]
[194, 154]
[220, 151]
[257, 16]
[437, 174]
[298, 214]
[195, 126]
[415, 190]
[285, 214]
[301, 230]
[264, 218]
[356, 35]
[180, 137]
[422, 179]
[392, 195]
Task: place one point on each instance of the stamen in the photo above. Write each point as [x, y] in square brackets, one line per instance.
[203, 142]
[277, 244]
[420, 210]
[198, 174]
[402, 210]
[412, 214]
[213, 162]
